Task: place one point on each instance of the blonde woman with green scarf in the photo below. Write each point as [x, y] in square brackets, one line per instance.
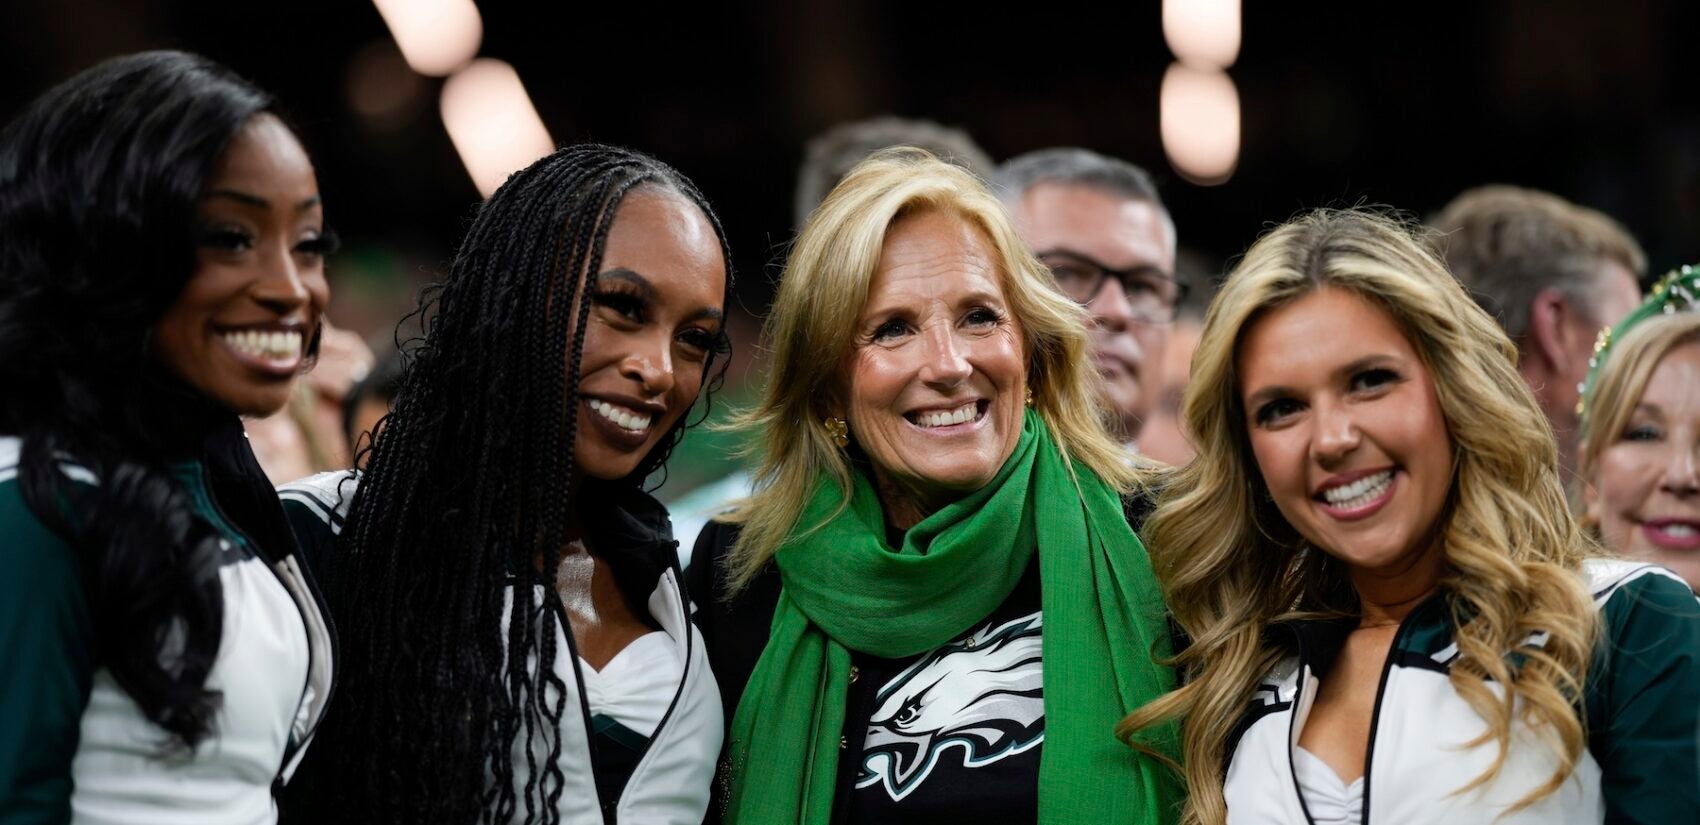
[934, 607]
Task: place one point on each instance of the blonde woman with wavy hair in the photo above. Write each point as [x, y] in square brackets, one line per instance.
[1639, 460]
[941, 515]
[813, 325]
[1394, 618]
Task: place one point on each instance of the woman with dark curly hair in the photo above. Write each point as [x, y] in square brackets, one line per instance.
[162, 272]
[573, 334]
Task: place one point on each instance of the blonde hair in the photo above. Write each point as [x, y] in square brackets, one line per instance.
[1231, 565]
[1621, 382]
[811, 332]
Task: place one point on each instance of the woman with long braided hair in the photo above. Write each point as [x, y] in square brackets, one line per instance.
[577, 324]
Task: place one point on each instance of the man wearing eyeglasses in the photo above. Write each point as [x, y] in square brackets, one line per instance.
[1100, 226]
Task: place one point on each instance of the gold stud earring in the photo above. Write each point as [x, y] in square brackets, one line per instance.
[1029, 396]
[839, 430]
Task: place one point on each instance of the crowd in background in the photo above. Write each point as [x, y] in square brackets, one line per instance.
[1000, 512]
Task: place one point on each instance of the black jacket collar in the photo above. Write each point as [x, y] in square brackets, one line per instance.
[630, 530]
[239, 487]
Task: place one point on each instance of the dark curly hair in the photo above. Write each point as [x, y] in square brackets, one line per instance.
[99, 181]
[469, 484]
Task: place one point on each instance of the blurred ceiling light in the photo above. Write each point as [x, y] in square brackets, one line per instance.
[492, 122]
[436, 36]
[1199, 118]
[1204, 34]
[381, 89]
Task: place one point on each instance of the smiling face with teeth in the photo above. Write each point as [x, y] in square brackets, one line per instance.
[656, 315]
[937, 378]
[240, 329]
[1348, 434]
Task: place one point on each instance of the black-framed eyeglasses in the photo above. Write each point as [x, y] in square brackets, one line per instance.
[1153, 295]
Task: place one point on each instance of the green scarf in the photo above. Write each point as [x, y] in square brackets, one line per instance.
[844, 589]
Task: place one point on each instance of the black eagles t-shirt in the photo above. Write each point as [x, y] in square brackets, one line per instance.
[952, 735]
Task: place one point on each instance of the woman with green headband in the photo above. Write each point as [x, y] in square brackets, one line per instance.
[1639, 460]
[933, 608]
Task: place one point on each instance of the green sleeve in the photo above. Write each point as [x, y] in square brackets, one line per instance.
[1644, 702]
[48, 641]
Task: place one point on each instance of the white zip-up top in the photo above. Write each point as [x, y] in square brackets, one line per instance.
[1642, 711]
[670, 781]
[75, 746]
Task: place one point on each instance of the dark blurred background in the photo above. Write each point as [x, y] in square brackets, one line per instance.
[1341, 102]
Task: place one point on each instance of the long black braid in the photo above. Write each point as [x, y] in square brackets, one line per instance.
[468, 487]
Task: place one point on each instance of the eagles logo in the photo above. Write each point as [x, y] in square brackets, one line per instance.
[982, 696]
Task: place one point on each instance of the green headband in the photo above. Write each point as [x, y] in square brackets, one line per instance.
[1678, 291]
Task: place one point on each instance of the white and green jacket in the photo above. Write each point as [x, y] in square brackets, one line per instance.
[1642, 712]
[74, 747]
[614, 774]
